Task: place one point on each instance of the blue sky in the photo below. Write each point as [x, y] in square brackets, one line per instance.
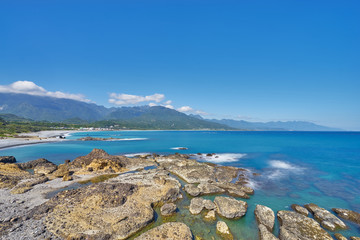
[251, 60]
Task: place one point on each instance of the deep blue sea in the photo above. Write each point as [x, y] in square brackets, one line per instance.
[295, 167]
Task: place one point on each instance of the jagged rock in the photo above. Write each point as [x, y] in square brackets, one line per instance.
[62, 170]
[11, 174]
[348, 214]
[208, 204]
[295, 226]
[265, 234]
[118, 207]
[209, 188]
[235, 187]
[107, 165]
[46, 168]
[230, 207]
[354, 238]
[338, 236]
[87, 159]
[300, 209]
[168, 209]
[7, 159]
[27, 184]
[210, 216]
[67, 177]
[265, 216]
[327, 219]
[223, 230]
[192, 190]
[34, 163]
[170, 230]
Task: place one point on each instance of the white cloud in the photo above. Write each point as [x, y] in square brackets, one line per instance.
[152, 104]
[188, 109]
[185, 109]
[168, 102]
[169, 106]
[28, 87]
[127, 99]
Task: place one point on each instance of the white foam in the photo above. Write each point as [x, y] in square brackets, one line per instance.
[136, 154]
[179, 148]
[220, 158]
[128, 139]
[285, 165]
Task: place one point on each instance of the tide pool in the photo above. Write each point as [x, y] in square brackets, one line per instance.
[294, 167]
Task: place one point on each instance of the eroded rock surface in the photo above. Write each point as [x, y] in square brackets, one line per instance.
[300, 209]
[295, 226]
[348, 214]
[230, 207]
[339, 236]
[265, 216]
[197, 204]
[327, 219]
[223, 229]
[265, 234]
[168, 209]
[171, 230]
[7, 159]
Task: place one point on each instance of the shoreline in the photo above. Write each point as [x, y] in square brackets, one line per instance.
[35, 138]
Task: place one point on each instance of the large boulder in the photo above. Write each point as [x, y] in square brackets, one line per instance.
[168, 209]
[7, 159]
[34, 163]
[265, 216]
[348, 214]
[265, 234]
[295, 226]
[300, 209]
[46, 168]
[327, 219]
[192, 190]
[339, 236]
[223, 230]
[166, 231]
[197, 204]
[230, 207]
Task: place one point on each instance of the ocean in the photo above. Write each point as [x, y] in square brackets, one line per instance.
[294, 167]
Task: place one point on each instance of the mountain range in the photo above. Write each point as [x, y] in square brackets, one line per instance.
[40, 108]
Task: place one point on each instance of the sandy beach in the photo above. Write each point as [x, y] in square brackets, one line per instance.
[35, 138]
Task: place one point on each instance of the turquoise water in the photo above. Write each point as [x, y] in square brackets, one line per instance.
[295, 167]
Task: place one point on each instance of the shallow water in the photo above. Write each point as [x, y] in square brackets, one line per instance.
[295, 167]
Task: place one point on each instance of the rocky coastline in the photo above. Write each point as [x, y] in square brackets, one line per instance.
[103, 196]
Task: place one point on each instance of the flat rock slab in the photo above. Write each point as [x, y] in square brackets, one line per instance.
[327, 219]
[295, 226]
[171, 230]
[230, 207]
[348, 214]
[300, 209]
[265, 216]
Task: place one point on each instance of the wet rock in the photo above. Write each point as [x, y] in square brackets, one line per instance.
[348, 214]
[192, 190]
[300, 209]
[210, 216]
[265, 234]
[223, 230]
[230, 207]
[327, 219]
[339, 236]
[295, 226]
[354, 238]
[197, 204]
[168, 209]
[238, 193]
[7, 159]
[265, 216]
[235, 188]
[170, 230]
